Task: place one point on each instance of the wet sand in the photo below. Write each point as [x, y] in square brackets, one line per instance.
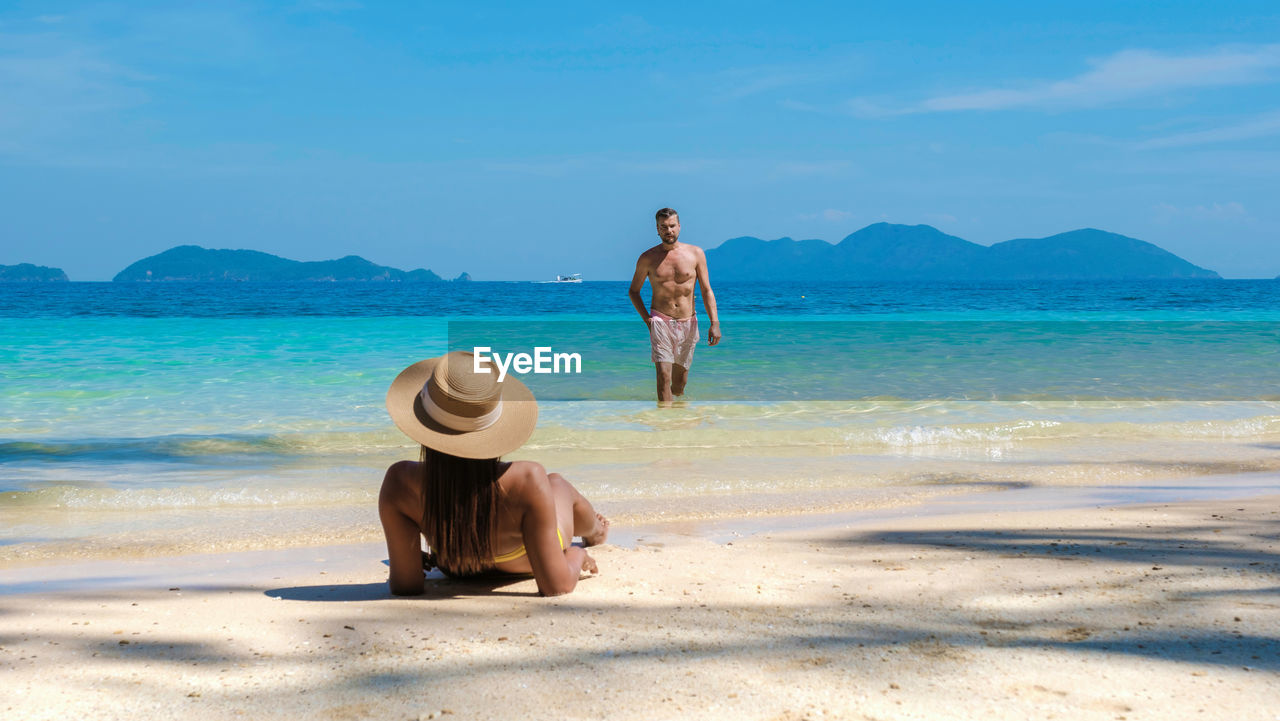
[1155, 610]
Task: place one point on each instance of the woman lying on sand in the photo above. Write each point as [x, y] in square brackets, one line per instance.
[477, 513]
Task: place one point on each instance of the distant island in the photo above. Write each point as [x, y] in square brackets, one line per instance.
[886, 251]
[28, 273]
[882, 251]
[193, 263]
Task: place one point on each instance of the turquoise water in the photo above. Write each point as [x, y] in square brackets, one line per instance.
[251, 411]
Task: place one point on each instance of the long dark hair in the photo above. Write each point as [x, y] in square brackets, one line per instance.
[459, 510]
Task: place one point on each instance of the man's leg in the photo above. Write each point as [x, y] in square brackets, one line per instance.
[686, 341]
[664, 381]
[679, 376]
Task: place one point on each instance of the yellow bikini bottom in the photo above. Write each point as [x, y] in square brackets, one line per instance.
[519, 552]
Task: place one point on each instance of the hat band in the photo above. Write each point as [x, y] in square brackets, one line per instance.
[454, 421]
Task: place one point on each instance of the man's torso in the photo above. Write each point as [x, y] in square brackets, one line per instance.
[672, 275]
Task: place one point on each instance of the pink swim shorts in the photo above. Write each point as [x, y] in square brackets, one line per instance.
[672, 339]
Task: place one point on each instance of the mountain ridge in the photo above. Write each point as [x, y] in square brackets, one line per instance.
[30, 273]
[887, 251]
[193, 263]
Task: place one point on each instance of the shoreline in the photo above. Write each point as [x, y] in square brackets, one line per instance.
[244, 566]
[1152, 610]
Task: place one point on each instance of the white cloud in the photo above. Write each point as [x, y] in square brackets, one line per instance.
[566, 166]
[867, 108]
[826, 167]
[65, 84]
[328, 6]
[627, 25]
[1257, 127]
[1167, 212]
[1249, 166]
[796, 105]
[831, 215]
[1125, 75]
[48, 86]
[548, 167]
[736, 83]
[670, 166]
[748, 83]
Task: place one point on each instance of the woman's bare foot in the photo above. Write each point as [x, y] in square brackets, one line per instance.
[599, 534]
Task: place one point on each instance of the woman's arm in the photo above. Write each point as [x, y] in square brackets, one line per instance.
[404, 549]
[556, 570]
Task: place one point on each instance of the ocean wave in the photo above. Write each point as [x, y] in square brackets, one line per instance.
[868, 427]
[99, 497]
[873, 436]
[189, 449]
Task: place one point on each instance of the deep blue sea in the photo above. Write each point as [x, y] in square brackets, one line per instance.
[1182, 299]
[243, 413]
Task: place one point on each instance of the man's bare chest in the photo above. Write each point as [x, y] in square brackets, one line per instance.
[675, 270]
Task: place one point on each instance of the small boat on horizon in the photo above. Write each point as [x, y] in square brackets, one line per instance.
[572, 278]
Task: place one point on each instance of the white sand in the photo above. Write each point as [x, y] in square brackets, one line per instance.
[1157, 611]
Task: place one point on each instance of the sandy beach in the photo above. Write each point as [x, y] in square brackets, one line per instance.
[1142, 611]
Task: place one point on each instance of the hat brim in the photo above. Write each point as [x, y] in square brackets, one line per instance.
[511, 430]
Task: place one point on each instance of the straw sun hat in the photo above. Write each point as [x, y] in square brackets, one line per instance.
[445, 405]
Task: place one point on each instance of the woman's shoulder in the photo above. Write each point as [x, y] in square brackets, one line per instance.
[401, 490]
[525, 477]
[401, 474]
[401, 469]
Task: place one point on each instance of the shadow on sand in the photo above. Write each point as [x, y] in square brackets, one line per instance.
[437, 587]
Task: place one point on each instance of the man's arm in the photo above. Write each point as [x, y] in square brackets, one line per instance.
[637, 282]
[708, 298]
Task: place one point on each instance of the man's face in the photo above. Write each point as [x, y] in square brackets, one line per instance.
[669, 230]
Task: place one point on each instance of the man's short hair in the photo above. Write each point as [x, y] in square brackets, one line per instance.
[665, 213]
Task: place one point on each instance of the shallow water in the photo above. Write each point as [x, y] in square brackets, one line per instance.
[241, 415]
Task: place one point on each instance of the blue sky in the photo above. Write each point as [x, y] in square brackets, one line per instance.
[522, 141]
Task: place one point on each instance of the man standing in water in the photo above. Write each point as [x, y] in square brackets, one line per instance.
[671, 268]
